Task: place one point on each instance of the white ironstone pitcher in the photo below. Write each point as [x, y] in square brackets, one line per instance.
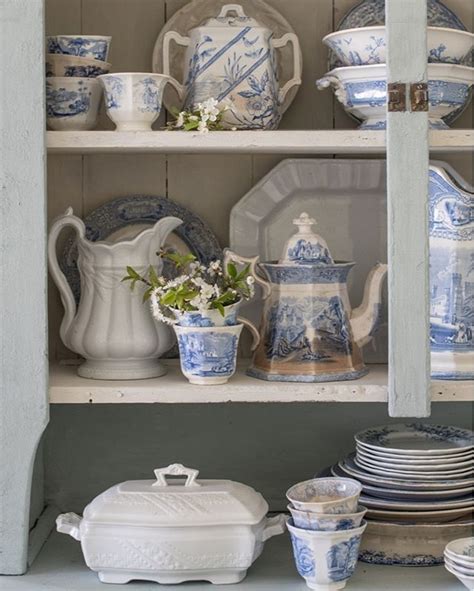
[232, 59]
[111, 327]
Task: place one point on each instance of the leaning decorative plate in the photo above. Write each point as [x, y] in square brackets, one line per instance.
[388, 504]
[125, 217]
[419, 516]
[194, 13]
[414, 475]
[417, 439]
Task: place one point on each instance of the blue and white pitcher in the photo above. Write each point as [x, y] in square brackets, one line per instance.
[309, 333]
[232, 59]
[451, 211]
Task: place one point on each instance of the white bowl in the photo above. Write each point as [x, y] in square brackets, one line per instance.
[325, 522]
[326, 495]
[466, 580]
[463, 549]
[325, 559]
[367, 45]
[133, 100]
[362, 90]
[75, 67]
[464, 570]
[72, 104]
[93, 46]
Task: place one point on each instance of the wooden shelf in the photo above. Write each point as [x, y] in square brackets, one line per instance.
[66, 387]
[60, 566]
[248, 142]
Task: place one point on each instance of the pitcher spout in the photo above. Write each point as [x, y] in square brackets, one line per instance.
[366, 318]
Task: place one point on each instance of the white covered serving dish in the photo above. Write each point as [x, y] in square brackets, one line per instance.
[170, 532]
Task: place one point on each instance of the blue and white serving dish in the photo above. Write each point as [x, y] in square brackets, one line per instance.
[75, 67]
[362, 90]
[72, 104]
[333, 496]
[325, 559]
[208, 355]
[133, 100]
[368, 45]
[451, 217]
[92, 46]
[325, 521]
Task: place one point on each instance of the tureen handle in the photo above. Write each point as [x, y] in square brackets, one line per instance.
[274, 526]
[69, 523]
[180, 40]
[296, 79]
[176, 470]
[239, 11]
[339, 90]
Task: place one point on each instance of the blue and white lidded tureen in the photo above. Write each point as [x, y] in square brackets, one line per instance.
[232, 58]
[309, 333]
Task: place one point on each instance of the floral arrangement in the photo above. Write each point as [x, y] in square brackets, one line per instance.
[204, 117]
[197, 288]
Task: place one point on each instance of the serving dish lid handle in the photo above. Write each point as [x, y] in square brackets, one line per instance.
[176, 470]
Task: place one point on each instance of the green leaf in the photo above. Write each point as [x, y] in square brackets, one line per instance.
[243, 273]
[153, 276]
[132, 273]
[147, 294]
[231, 270]
[220, 307]
[168, 299]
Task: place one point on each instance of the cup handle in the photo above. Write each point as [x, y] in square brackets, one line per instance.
[295, 80]
[180, 40]
[253, 331]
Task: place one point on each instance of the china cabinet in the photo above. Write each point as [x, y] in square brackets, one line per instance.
[102, 432]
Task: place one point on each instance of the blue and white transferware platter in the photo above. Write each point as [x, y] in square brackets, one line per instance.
[124, 217]
[417, 439]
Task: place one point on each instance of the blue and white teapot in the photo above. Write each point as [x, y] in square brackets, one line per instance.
[231, 58]
[309, 333]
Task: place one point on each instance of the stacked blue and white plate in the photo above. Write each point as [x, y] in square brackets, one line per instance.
[459, 560]
[417, 483]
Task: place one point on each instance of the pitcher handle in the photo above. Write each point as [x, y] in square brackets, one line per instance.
[295, 80]
[230, 255]
[180, 40]
[67, 297]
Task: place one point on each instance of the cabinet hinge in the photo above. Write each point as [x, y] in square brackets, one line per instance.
[397, 96]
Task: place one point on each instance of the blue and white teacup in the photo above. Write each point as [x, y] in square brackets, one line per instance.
[72, 104]
[71, 66]
[208, 355]
[325, 559]
[326, 495]
[133, 100]
[325, 521]
[93, 46]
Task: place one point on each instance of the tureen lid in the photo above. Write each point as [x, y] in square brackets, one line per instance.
[163, 503]
[305, 247]
[231, 15]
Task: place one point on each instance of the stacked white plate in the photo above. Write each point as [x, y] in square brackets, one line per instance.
[459, 560]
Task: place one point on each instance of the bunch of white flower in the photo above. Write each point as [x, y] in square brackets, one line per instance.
[204, 117]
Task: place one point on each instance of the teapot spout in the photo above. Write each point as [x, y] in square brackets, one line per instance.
[365, 318]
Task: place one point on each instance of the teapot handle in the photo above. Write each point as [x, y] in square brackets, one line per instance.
[296, 79]
[232, 8]
[180, 40]
[67, 297]
[230, 255]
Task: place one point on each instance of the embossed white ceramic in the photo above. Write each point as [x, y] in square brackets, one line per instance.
[72, 104]
[327, 522]
[326, 495]
[325, 559]
[133, 100]
[73, 66]
[368, 45]
[204, 530]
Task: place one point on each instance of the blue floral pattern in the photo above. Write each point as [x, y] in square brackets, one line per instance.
[62, 103]
[84, 71]
[304, 559]
[114, 87]
[208, 354]
[342, 559]
[150, 95]
[78, 46]
[350, 56]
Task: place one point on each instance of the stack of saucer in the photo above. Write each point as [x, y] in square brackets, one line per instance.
[73, 94]
[326, 530]
[459, 560]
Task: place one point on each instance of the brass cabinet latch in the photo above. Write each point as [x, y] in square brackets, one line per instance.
[397, 96]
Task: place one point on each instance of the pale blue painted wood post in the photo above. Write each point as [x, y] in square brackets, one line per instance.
[23, 376]
[407, 181]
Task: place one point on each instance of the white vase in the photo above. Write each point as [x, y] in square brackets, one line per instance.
[111, 327]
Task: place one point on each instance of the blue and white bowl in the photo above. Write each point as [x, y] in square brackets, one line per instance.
[325, 559]
[327, 522]
[72, 104]
[208, 355]
[367, 45]
[71, 66]
[333, 496]
[133, 100]
[362, 90]
[92, 46]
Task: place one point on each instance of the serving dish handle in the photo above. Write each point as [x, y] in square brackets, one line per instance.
[176, 470]
[274, 527]
[69, 523]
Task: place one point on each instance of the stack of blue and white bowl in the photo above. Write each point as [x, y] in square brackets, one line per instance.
[73, 93]
[326, 528]
[459, 560]
[359, 72]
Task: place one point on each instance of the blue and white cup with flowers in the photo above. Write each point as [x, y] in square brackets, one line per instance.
[325, 559]
[72, 104]
[134, 100]
[92, 46]
[208, 354]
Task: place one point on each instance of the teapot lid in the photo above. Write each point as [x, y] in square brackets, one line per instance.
[305, 247]
[231, 15]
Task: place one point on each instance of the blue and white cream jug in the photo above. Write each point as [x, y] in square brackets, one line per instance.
[309, 333]
[451, 215]
[232, 59]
